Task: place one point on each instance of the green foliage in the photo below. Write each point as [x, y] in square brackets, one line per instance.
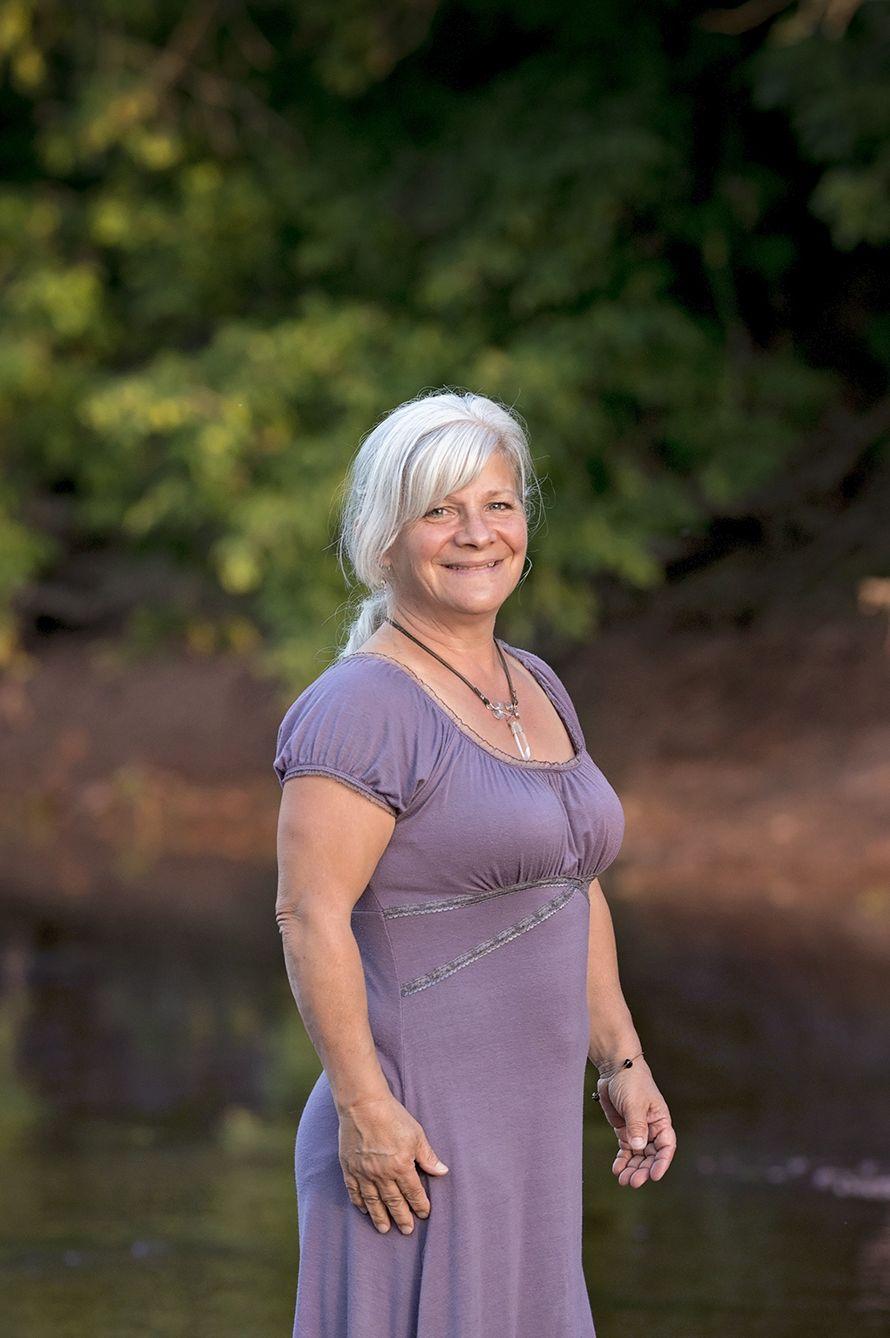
[837, 104]
[232, 237]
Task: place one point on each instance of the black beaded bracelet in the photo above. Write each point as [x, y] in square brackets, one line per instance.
[625, 1064]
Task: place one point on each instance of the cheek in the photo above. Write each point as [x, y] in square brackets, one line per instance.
[417, 563]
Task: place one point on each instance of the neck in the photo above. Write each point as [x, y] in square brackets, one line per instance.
[472, 645]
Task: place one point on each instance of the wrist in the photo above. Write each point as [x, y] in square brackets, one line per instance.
[607, 1068]
[610, 1046]
[347, 1102]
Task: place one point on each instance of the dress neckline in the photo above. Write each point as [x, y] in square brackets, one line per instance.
[472, 734]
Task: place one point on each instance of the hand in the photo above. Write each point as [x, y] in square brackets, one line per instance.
[379, 1143]
[640, 1117]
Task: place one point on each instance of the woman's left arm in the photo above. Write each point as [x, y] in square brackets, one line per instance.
[631, 1102]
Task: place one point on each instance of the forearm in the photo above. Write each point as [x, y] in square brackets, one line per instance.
[612, 1032]
[324, 968]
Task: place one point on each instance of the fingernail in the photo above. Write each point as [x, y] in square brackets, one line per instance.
[638, 1142]
[440, 1166]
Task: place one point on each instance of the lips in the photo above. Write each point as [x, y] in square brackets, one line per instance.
[476, 566]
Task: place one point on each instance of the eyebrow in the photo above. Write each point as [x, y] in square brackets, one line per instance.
[492, 492]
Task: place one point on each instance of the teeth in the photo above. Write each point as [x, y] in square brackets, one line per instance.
[455, 566]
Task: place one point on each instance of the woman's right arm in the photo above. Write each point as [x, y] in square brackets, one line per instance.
[330, 840]
[329, 843]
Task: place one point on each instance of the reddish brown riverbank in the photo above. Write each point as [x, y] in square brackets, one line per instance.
[753, 763]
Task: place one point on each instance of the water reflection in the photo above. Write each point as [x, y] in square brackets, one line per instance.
[153, 1032]
[151, 1091]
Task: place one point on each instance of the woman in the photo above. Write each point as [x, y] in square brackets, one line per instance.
[441, 834]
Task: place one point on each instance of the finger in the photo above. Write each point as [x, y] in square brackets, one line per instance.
[415, 1194]
[625, 1151]
[635, 1174]
[622, 1157]
[376, 1207]
[631, 1167]
[653, 1163]
[398, 1209]
[665, 1147]
[638, 1178]
[355, 1194]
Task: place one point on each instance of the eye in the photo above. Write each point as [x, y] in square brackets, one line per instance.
[432, 512]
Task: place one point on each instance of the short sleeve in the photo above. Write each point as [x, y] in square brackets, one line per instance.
[356, 723]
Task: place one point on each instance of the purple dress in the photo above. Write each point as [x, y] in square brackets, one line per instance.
[473, 938]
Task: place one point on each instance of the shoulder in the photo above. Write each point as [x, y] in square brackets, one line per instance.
[361, 718]
[365, 695]
[360, 684]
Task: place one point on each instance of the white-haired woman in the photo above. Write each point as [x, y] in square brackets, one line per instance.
[441, 834]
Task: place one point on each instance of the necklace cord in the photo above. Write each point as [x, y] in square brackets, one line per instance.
[500, 710]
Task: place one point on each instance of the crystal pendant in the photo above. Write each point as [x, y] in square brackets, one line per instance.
[503, 710]
[521, 741]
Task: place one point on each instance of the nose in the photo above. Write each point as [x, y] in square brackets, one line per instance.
[476, 529]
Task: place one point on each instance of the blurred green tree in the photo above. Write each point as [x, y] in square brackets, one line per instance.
[232, 236]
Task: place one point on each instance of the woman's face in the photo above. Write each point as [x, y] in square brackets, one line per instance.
[440, 562]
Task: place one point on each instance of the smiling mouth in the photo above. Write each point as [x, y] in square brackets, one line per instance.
[477, 566]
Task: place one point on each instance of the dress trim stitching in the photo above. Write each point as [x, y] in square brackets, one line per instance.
[307, 769]
[472, 898]
[505, 936]
[531, 764]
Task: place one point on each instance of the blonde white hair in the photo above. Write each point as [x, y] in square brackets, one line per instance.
[428, 447]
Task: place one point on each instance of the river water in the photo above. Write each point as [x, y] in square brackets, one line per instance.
[151, 1091]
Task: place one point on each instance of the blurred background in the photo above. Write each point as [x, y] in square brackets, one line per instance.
[233, 234]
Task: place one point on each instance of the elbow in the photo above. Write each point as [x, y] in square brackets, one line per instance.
[309, 915]
[287, 908]
[288, 914]
[285, 917]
